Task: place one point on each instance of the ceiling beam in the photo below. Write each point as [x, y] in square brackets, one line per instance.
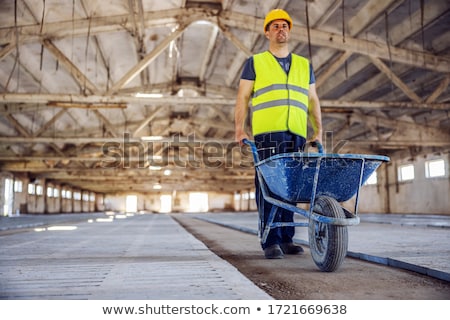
[89, 12]
[242, 54]
[91, 106]
[396, 80]
[141, 65]
[34, 98]
[175, 140]
[146, 121]
[439, 90]
[337, 41]
[325, 14]
[399, 143]
[109, 126]
[233, 19]
[93, 25]
[208, 52]
[397, 34]
[196, 143]
[364, 18]
[22, 163]
[19, 128]
[4, 52]
[191, 84]
[332, 68]
[237, 43]
[168, 161]
[136, 13]
[371, 12]
[81, 79]
[318, 16]
[49, 123]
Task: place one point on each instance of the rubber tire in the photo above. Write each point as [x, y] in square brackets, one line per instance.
[328, 243]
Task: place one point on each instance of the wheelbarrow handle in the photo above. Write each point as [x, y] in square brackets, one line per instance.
[254, 150]
[315, 144]
[318, 145]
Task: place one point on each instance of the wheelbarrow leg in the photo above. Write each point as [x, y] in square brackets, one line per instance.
[267, 226]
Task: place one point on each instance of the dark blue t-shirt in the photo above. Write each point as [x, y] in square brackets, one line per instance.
[249, 70]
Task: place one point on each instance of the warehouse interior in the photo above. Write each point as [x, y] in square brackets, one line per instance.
[128, 105]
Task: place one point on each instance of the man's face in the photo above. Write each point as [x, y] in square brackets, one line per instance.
[278, 31]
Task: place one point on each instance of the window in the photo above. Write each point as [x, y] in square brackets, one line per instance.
[31, 188]
[198, 202]
[131, 203]
[66, 194]
[18, 186]
[435, 168]
[85, 197]
[77, 195]
[39, 190]
[372, 179]
[406, 172]
[50, 192]
[248, 195]
[8, 194]
[56, 192]
[166, 203]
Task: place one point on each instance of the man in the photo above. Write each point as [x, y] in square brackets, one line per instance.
[282, 87]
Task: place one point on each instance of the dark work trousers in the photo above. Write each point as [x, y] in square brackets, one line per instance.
[269, 144]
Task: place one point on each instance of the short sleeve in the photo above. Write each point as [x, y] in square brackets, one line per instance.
[312, 77]
[248, 73]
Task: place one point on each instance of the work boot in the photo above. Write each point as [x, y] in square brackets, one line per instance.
[273, 252]
[290, 248]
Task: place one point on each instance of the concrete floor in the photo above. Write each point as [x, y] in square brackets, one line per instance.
[419, 243]
[95, 256]
[126, 257]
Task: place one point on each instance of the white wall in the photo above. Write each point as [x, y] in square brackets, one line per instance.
[220, 201]
[422, 195]
[151, 202]
[372, 198]
[41, 203]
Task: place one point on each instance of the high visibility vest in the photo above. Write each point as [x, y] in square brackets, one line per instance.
[280, 101]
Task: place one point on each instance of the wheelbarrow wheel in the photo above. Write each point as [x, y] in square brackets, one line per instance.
[328, 243]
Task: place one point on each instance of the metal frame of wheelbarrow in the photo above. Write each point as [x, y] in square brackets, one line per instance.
[351, 218]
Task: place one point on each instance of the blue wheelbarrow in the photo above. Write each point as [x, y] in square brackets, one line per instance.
[322, 180]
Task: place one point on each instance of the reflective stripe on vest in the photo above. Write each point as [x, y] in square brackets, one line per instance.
[280, 101]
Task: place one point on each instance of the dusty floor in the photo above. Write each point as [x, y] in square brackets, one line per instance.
[297, 277]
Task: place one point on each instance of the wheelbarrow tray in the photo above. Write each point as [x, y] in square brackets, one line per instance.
[291, 175]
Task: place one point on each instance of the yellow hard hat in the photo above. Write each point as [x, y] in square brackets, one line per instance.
[277, 14]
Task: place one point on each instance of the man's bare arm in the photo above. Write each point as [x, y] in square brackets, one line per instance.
[241, 108]
[315, 114]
